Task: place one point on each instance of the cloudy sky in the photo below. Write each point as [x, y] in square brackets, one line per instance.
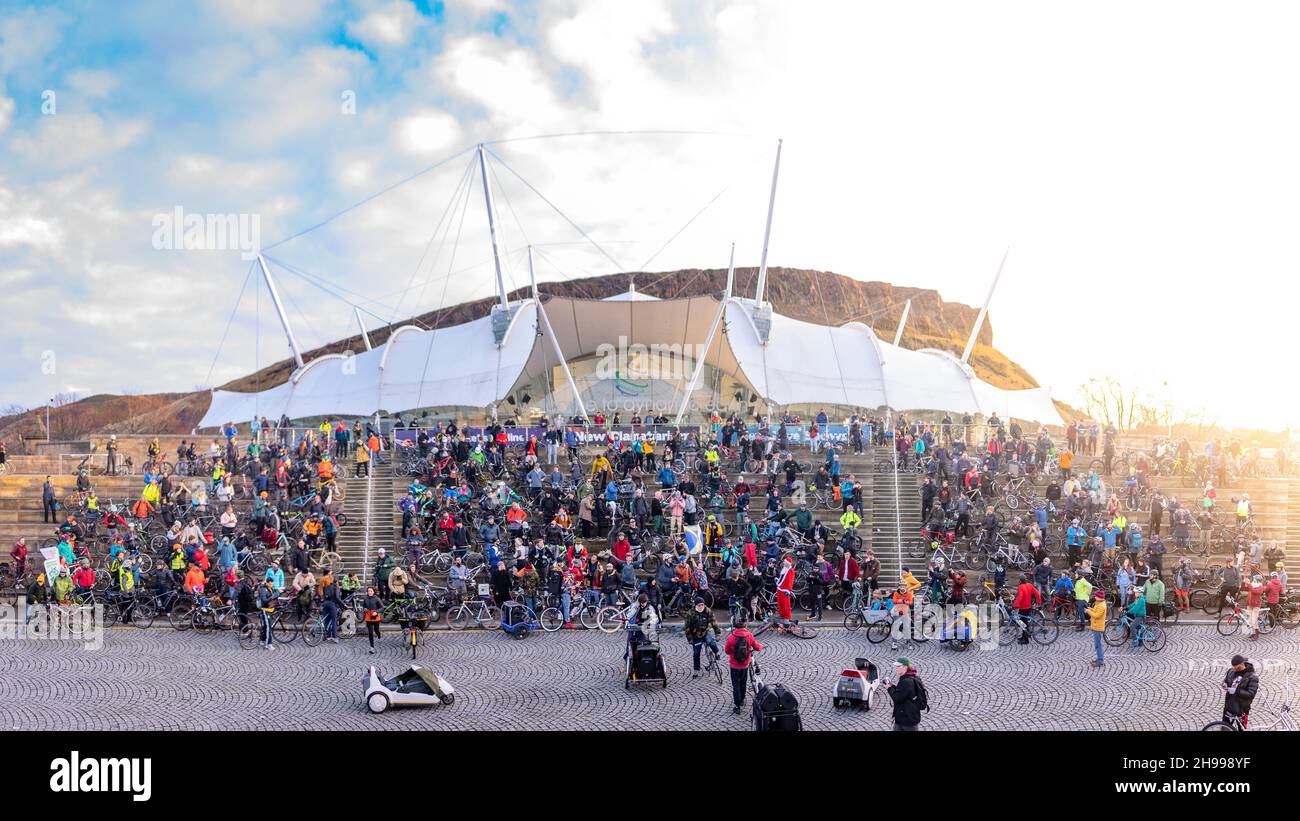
[1139, 159]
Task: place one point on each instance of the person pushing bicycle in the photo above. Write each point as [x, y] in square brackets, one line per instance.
[701, 628]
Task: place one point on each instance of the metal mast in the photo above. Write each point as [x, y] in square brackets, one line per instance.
[279, 310]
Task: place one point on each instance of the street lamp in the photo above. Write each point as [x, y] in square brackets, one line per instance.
[1169, 413]
[48, 405]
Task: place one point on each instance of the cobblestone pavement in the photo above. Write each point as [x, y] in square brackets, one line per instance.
[160, 679]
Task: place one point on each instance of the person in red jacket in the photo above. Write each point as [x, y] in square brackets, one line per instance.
[1254, 590]
[19, 554]
[739, 658]
[84, 578]
[1027, 597]
[847, 573]
[785, 590]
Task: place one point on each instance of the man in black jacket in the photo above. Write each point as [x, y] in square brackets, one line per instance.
[1240, 686]
[908, 695]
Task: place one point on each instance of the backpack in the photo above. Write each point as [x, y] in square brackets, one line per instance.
[922, 698]
[740, 649]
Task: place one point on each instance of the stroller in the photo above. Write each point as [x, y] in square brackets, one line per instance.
[775, 708]
[856, 687]
[643, 661]
[518, 620]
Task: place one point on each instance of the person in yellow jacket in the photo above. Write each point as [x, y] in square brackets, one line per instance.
[1082, 596]
[363, 462]
[1097, 615]
[599, 465]
[911, 582]
[850, 520]
[151, 493]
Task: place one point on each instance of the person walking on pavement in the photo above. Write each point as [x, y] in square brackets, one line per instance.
[740, 648]
[701, 628]
[908, 695]
[372, 606]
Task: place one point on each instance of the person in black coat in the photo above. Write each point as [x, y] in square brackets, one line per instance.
[1240, 686]
[301, 559]
[905, 692]
[500, 579]
[245, 600]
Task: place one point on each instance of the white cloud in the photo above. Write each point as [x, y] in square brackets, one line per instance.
[68, 140]
[27, 37]
[388, 26]
[92, 83]
[6, 111]
[427, 133]
[507, 82]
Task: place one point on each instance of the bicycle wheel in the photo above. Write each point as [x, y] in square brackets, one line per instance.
[878, 631]
[609, 619]
[1219, 726]
[1199, 598]
[250, 635]
[1266, 622]
[552, 619]
[1008, 633]
[203, 621]
[143, 612]
[1153, 638]
[342, 519]
[314, 633]
[179, 615]
[491, 618]
[441, 562]
[458, 618]
[1229, 624]
[1116, 634]
[284, 631]
[853, 620]
[1044, 631]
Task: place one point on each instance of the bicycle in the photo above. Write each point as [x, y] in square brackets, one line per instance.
[487, 616]
[1147, 632]
[1234, 621]
[712, 667]
[1013, 625]
[1238, 723]
[607, 619]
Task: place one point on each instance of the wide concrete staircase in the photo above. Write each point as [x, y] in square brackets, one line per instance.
[897, 521]
[368, 504]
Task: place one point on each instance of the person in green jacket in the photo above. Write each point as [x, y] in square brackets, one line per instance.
[1082, 597]
[63, 587]
[383, 569]
[803, 520]
[1155, 595]
[37, 593]
[1137, 611]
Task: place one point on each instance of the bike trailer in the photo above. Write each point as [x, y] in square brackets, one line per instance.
[646, 664]
[854, 687]
[518, 621]
[776, 709]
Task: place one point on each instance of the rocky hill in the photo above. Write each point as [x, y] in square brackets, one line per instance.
[814, 296]
[797, 293]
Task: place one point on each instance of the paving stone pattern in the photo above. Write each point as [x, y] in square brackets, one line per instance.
[163, 680]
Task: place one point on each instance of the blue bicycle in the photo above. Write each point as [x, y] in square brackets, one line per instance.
[1146, 632]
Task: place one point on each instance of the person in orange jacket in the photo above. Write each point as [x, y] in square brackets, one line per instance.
[195, 582]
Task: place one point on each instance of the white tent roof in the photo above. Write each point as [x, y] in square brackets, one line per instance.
[461, 366]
